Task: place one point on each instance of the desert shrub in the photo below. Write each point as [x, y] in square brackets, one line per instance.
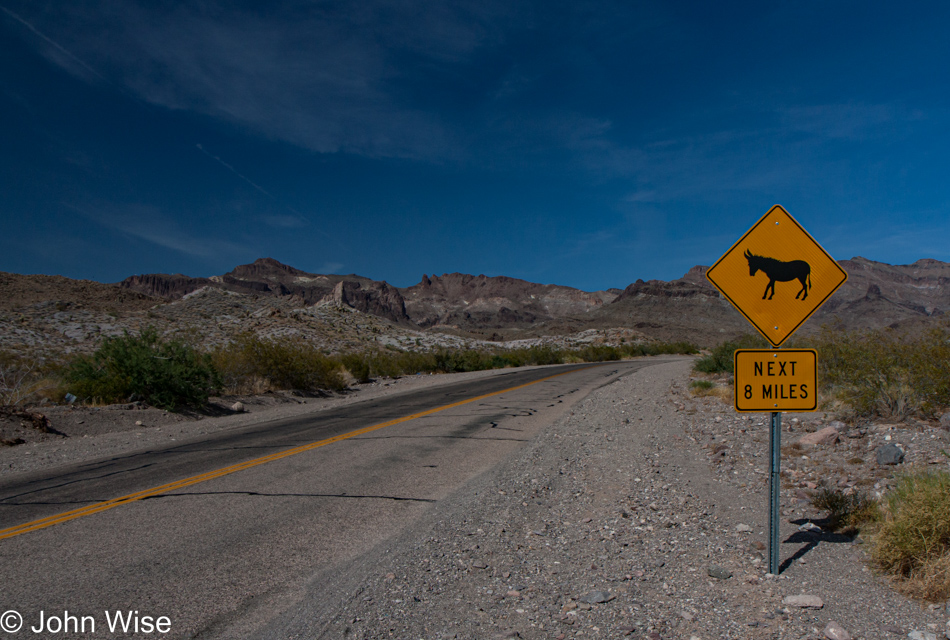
[720, 358]
[366, 365]
[165, 373]
[912, 542]
[846, 510]
[25, 378]
[886, 373]
[252, 364]
[701, 385]
[598, 353]
[536, 355]
[358, 365]
[658, 349]
[451, 361]
[393, 363]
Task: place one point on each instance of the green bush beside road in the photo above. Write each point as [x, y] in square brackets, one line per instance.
[164, 373]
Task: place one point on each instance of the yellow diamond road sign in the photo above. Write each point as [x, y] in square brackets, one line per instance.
[776, 275]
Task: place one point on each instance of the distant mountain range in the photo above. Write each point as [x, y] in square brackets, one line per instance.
[481, 307]
[876, 295]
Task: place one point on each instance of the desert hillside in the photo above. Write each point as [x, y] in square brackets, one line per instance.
[337, 312]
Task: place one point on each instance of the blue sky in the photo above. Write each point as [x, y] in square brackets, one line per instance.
[579, 143]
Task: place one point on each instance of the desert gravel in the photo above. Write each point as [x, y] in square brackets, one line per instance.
[643, 514]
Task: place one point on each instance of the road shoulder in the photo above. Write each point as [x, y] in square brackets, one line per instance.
[613, 521]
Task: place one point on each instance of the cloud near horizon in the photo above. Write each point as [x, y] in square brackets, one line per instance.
[150, 224]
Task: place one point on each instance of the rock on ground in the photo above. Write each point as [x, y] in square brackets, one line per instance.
[605, 526]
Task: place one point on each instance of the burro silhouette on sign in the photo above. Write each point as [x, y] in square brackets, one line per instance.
[779, 271]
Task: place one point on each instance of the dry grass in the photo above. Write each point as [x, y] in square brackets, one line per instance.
[792, 449]
[708, 388]
[912, 542]
[24, 378]
[846, 511]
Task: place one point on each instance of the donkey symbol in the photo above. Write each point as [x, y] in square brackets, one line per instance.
[779, 271]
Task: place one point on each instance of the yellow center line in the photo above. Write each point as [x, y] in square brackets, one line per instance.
[49, 521]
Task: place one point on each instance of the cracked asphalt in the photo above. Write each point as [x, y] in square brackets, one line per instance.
[229, 552]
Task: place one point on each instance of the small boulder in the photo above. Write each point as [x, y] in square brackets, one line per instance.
[945, 420]
[803, 601]
[238, 407]
[719, 573]
[839, 426]
[597, 597]
[834, 631]
[743, 528]
[890, 454]
[828, 435]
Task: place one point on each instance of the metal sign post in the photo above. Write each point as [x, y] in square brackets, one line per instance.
[775, 464]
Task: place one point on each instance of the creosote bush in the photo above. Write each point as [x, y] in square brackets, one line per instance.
[169, 373]
[720, 358]
[885, 373]
[872, 373]
[251, 364]
[367, 365]
[912, 542]
[165, 373]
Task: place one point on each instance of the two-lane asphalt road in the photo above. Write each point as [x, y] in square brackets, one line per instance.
[225, 531]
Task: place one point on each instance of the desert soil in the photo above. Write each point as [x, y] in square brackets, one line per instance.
[643, 513]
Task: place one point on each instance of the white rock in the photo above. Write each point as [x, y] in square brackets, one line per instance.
[743, 528]
[922, 635]
[138, 423]
[803, 601]
[833, 631]
[238, 406]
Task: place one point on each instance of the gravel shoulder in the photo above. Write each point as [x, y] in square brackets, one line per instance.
[643, 513]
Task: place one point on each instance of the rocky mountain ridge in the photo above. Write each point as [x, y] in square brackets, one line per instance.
[478, 302]
[272, 298]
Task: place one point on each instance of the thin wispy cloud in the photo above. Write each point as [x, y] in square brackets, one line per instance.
[56, 47]
[294, 221]
[843, 121]
[285, 222]
[153, 226]
[318, 76]
[234, 171]
[329, 267]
